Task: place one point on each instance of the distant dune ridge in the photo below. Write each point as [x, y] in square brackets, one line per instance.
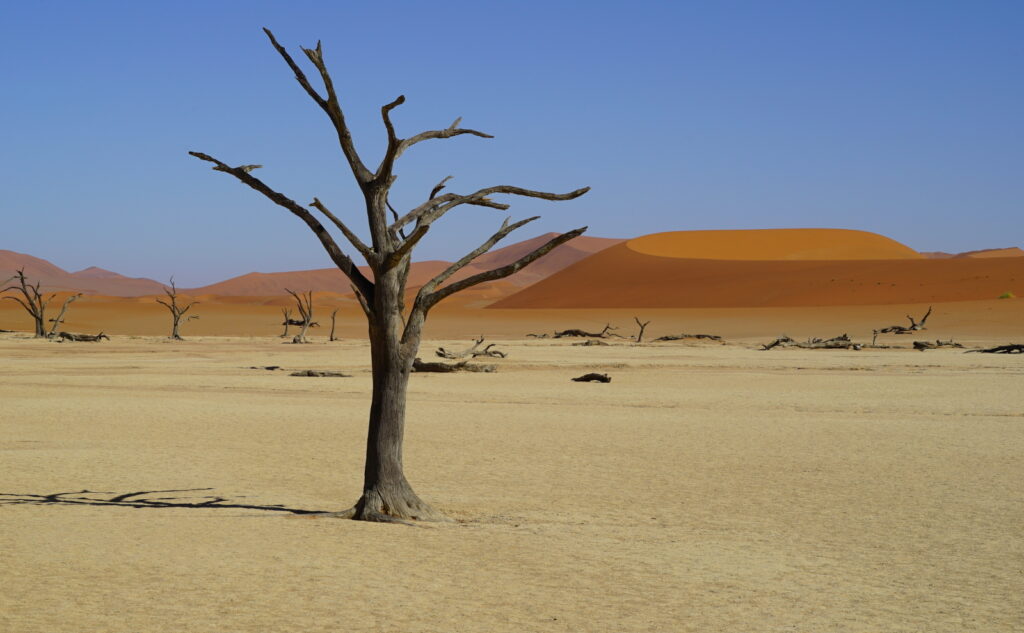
[723, 268]
[785, 267]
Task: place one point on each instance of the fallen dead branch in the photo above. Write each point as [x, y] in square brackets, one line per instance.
[471, 352]
[447, 368]
[583, 333]
[589, 343]
[88, 338]
[320, 373]
[593, 377]
[923, 345]
[267, 367]
[1000, 349]
[683, 337]
[915, 326]
[837, 342]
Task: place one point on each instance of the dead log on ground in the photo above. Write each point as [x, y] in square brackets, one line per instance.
[592, 377]
[266, 367]
[1000, 349]
[447, 368]
[836, 342]
[583, 333]
[683, 337]
[471, 352]
[915, 326]
[532, 335]
[589, 343]
[320, 373]
[87, 338]
[923, 345]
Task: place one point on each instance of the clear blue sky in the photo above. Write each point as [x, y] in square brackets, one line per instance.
[902, 118]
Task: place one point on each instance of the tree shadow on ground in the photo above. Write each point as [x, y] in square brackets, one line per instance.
[143, 499]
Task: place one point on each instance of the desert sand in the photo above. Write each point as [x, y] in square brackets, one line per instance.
[706, 488]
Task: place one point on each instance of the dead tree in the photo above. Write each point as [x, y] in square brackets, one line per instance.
[31, 299]
[177, 311]
[592, 377]
[842, 341]
[304, 303]
[394, 328]
[473, 351]
[448, 368]
[60, 316]
[333, 315]
[643, 326]
[915, 326]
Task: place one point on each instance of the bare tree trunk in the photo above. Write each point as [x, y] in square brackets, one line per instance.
[643, 326]
[287, 321]
[333, 315]
[387, 494]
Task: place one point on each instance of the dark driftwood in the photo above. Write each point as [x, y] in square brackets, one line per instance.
[473, 351]
[583, 333]
[589, 343]
[532, 335]
[837, 342]
[1000, 349]
[320, 373]
[915, 325]
[923, 345]
[267, 367]
[683, 337]
[395, 331]
[177, 311]
[447, 368]
[593, 378]
[89, 338]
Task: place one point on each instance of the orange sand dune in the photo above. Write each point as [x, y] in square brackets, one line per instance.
[92, 280]
[331, 279]
[625, 276]
[773, 244]
[1012, 251]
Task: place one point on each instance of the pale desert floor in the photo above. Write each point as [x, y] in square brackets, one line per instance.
[706, 488]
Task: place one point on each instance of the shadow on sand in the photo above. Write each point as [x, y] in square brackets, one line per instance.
[143, 499]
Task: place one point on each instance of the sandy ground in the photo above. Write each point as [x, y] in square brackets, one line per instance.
[707, 488]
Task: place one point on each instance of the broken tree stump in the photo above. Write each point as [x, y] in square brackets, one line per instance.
[593, 377]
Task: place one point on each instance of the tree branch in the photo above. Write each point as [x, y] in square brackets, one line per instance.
[505, 229]
[329, 105]
[363, 249]
[427, 299]
[450, 131]
[340, 259]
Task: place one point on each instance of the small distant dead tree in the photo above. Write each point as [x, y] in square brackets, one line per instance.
[471, 352]
[394, 331]
[915, 326]
[304, 302]
[842, 341]
[178, 312]
[643, 326]
[334, 313]
[33, 301]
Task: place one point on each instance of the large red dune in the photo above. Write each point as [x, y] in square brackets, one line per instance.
[786, 267]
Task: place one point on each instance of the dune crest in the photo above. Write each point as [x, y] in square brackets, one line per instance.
[773, 244]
